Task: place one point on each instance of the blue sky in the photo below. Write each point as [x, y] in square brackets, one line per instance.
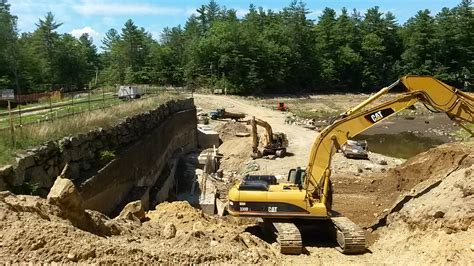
[96, 17]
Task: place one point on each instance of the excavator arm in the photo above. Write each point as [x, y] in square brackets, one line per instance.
[428, 90]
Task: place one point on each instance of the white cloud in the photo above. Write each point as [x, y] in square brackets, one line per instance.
[191, 11]
[92, 7]
[78, 32]
[30, 11]
[241, 12]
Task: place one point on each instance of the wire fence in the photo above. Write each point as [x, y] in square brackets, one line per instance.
[52, 106]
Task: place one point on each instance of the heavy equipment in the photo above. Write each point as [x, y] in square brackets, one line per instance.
[222, 113]
[281, 106]
[274, 143]
[307, 194]
[355, 149]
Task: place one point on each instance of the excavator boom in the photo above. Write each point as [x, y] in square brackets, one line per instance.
[428, 90]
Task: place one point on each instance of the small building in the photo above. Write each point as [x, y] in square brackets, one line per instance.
[129, 92]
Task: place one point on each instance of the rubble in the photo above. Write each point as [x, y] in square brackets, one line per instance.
[134, 208]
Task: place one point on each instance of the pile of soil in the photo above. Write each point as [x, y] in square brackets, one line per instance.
[236, 150]
[436, 223]
[228, 130]
[434, 163]
[32, 230]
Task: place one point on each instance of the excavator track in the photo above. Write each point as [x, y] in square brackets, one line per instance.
[350, 237]
[288, 236]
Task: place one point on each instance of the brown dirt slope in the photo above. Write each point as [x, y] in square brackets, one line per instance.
[31, 230]
[434, 163]
[436, 224]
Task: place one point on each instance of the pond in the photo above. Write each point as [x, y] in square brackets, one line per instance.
[401, 145]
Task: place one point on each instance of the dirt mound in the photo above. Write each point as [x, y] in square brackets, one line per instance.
[447, 206]
[434, 163]
[228, 130]
[436, 224]
[32, 230]
[196, 232]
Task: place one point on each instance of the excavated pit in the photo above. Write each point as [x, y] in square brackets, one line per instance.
[38, 230]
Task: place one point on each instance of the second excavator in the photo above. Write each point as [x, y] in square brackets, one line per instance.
[274, 142]
[307, 193]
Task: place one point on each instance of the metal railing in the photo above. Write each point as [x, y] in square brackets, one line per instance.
[55, 106]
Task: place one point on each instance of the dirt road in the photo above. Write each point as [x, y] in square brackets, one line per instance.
[300, 139]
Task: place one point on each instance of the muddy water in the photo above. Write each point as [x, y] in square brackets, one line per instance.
[403, 138]
[400, 145]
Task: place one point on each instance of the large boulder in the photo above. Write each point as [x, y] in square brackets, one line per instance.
[65, 195]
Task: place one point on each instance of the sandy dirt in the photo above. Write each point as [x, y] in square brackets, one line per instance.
[34, 231]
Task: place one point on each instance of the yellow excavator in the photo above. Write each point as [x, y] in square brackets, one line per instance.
[307, 194]
[274, 142]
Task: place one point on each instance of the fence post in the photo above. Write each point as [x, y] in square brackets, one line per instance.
[19, 114]
[50, 107]
[89, 92]
[72, 103]
[12, 127]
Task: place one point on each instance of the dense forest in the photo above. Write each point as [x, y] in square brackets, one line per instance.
[264, 51]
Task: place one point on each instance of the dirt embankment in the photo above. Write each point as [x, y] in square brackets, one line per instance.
[434, 223]
[32, 230]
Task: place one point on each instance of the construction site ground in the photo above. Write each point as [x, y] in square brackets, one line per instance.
[432, 224]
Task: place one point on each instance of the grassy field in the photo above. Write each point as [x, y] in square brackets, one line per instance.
[34, 134]
[315, 106]
[49, 109]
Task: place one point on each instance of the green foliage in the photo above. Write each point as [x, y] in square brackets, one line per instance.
[27, 188]
[106, 156]
[265, 51]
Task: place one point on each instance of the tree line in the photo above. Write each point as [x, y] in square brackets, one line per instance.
[263, 52]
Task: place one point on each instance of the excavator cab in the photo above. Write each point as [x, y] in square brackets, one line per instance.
[296, 176]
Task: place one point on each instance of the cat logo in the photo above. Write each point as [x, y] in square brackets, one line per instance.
[272, 209]
[379, 115]
[376, 117]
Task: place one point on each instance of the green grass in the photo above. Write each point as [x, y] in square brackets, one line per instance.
[78, 105]
[34, 134]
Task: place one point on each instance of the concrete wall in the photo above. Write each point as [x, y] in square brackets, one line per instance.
[145, 146]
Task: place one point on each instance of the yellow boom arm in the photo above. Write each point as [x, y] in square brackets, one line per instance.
[428, 90]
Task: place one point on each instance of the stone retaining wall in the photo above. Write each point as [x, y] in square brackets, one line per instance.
[143, 144]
